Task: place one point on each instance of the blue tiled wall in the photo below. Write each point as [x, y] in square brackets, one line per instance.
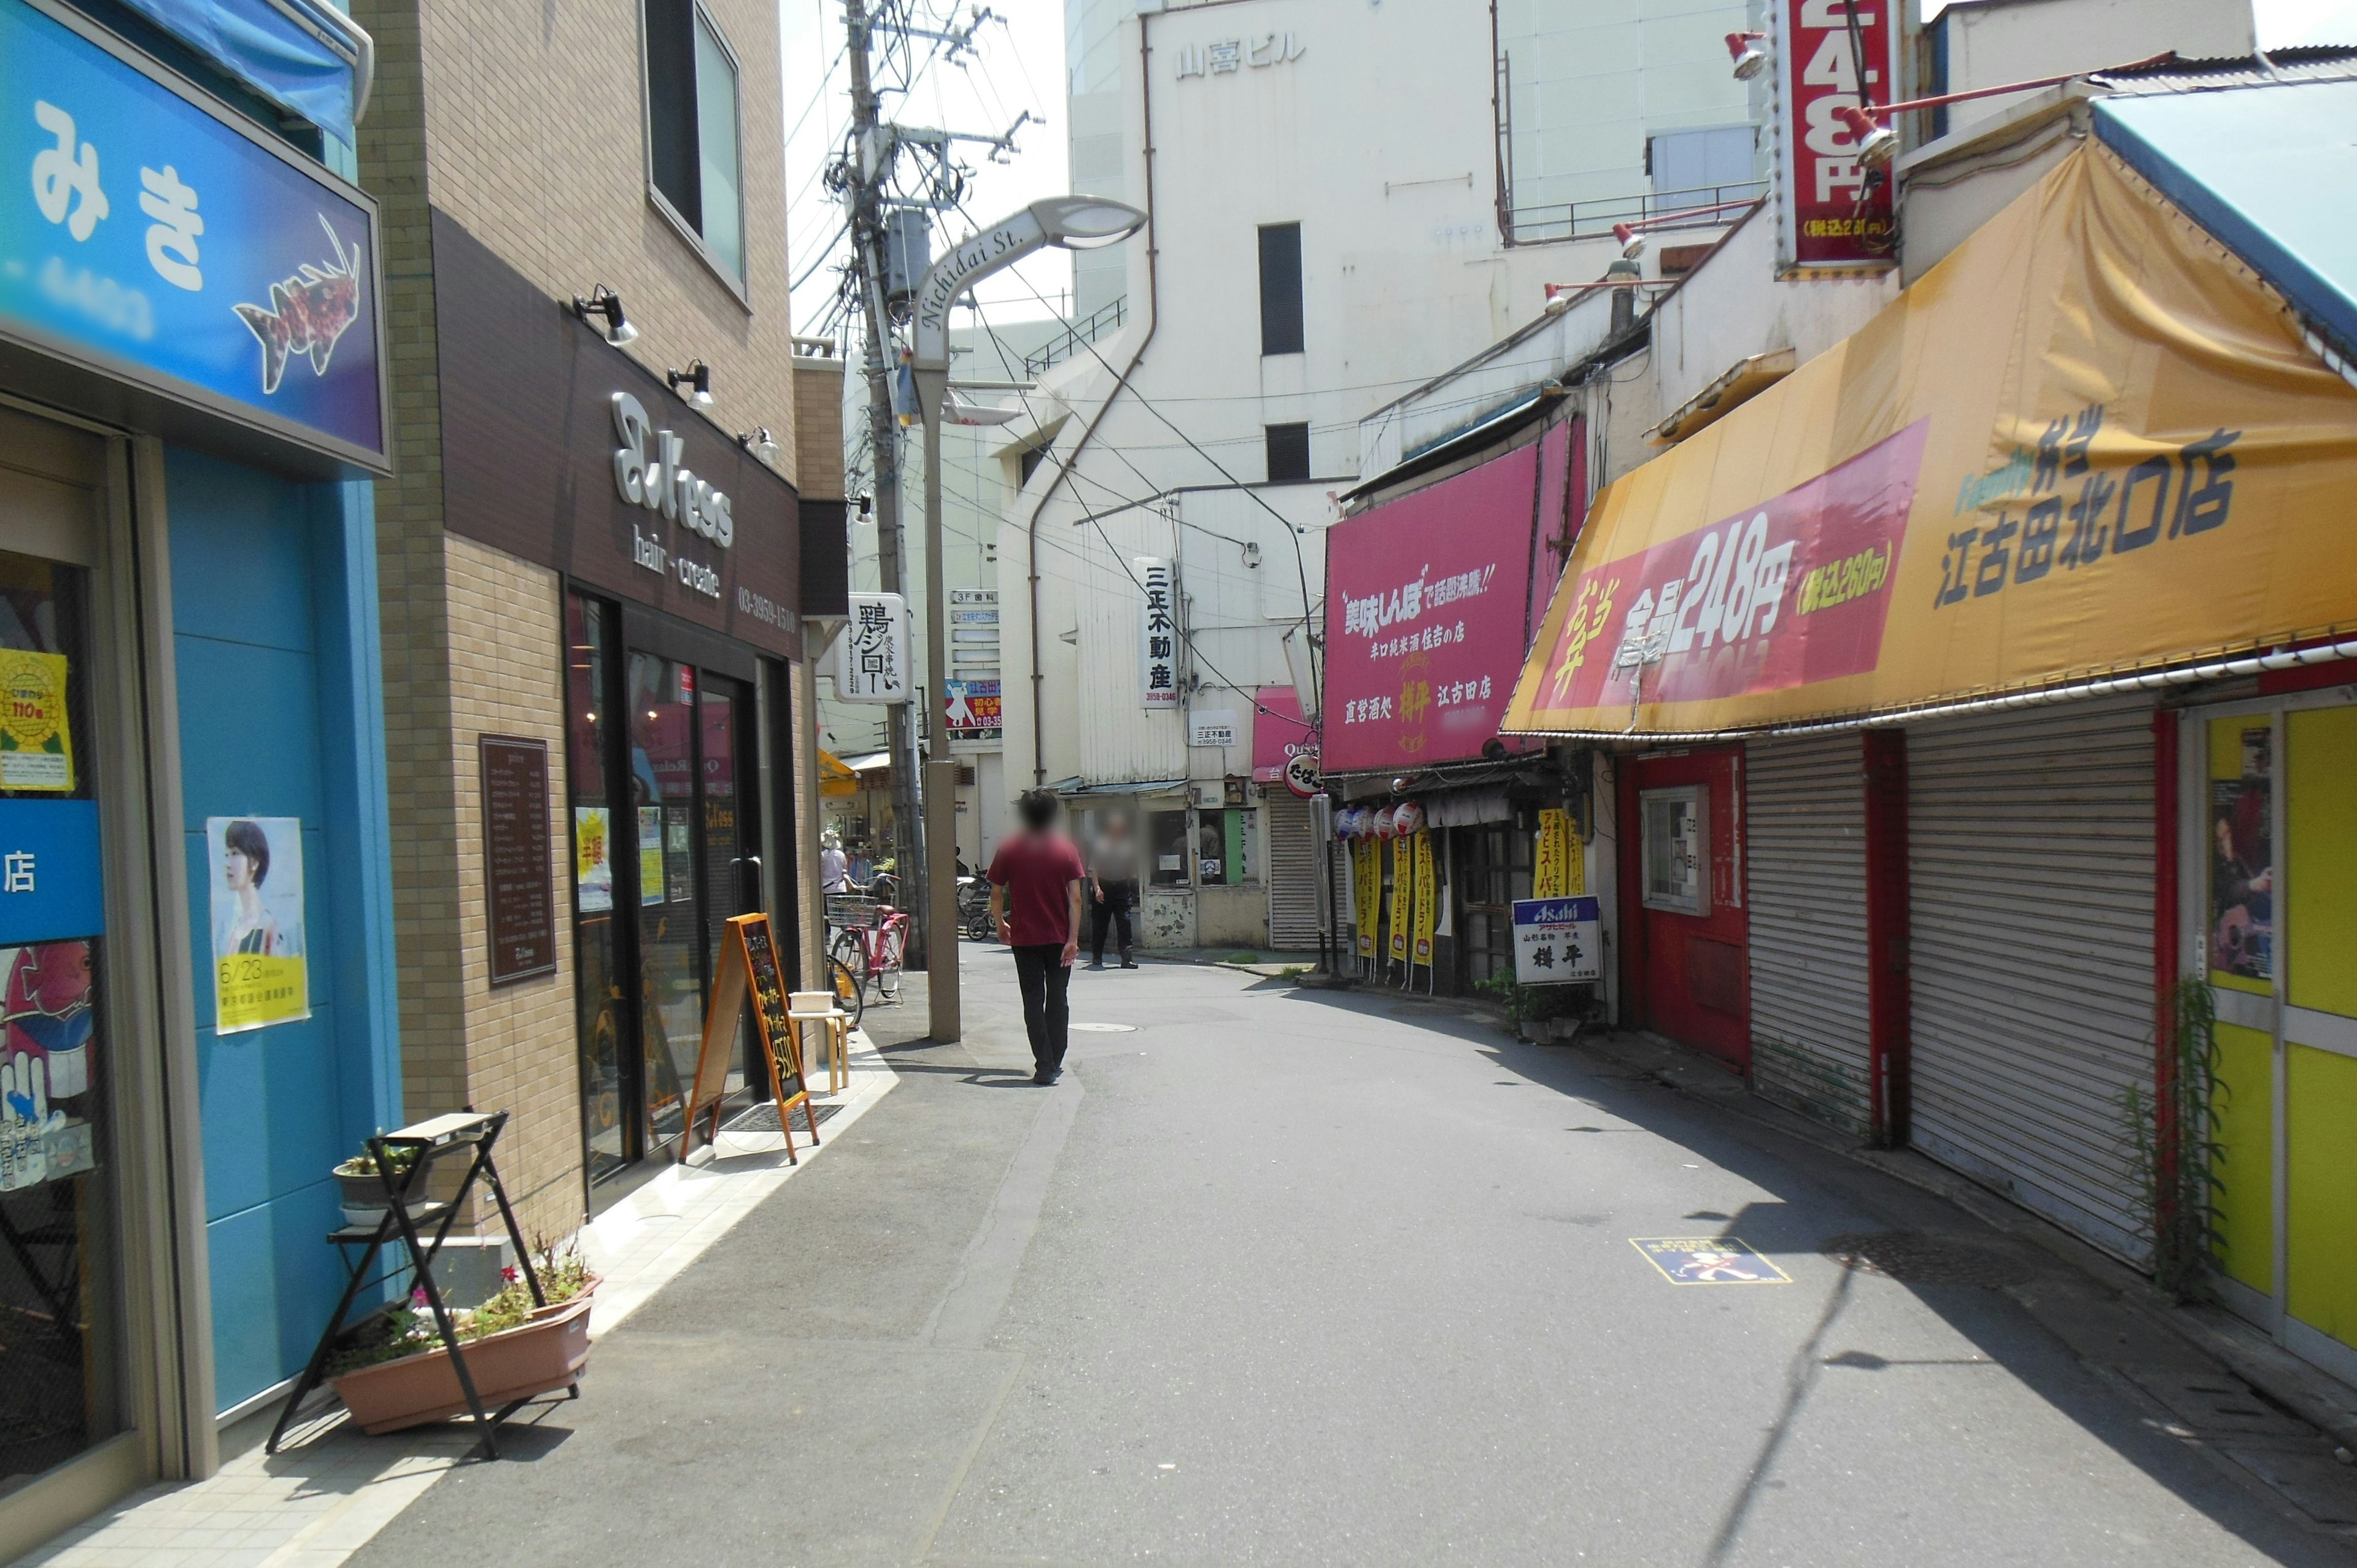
[273, 600]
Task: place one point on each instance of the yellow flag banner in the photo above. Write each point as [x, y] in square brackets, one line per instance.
[1427, 894]
[2089, 441]
[1403, 896]
[1556, 868]
[1367, 891]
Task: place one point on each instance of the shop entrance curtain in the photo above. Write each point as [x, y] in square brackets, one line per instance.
[2090, 440]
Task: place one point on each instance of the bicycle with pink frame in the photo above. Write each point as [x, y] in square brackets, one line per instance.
[870, 942]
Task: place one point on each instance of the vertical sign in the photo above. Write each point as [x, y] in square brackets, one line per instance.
[1829, 217]
[1428, 890]
[1556, 868]
[871, 660]
[1366, 891]
[259, 953]
[518, 894]
[1403, 896]
[1158, 633]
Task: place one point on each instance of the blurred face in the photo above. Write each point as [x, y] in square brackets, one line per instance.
[237, 871]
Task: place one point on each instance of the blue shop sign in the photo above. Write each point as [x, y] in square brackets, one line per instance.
[148, 233]
[51, 884]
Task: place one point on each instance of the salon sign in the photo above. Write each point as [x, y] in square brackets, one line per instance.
[650, 470]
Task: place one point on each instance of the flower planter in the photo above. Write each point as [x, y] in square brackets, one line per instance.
[534, 1358]
[362, 1197]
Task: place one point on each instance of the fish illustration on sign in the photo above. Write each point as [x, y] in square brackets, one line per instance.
[308, 312]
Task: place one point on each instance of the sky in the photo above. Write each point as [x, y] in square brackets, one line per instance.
[1016, 63]
[2287, 24]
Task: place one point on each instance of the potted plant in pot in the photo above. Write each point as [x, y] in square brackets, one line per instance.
[395, 1372]
[363, 1189]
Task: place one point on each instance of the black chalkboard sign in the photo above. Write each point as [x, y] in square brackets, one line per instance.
[749, 971]
[519, 891]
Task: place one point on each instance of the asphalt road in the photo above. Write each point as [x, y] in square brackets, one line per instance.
[1289, 1277]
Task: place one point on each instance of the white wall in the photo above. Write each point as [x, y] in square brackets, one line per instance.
[1990, 42]
[1377, 138]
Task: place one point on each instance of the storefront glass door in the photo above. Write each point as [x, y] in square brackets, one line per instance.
[61, 1351]
[667, 847]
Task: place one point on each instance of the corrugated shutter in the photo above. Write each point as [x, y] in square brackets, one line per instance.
[1292, 874]
[1805, 800]
[2030, 869]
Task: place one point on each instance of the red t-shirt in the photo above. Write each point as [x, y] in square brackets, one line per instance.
[1037, 870]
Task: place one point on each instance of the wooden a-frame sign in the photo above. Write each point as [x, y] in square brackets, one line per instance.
[749, 971]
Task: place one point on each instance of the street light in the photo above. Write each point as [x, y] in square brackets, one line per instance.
[1076, 223]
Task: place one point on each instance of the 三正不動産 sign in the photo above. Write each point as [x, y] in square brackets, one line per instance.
[153, 237]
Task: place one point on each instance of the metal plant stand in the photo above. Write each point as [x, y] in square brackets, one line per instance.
[426, 1145]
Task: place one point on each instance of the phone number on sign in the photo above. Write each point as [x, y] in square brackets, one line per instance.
[763, 608]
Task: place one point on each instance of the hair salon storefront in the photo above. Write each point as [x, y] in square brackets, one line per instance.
[624, 582]
[196, 944]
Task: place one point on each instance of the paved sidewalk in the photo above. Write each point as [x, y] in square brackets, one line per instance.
[315, 1504]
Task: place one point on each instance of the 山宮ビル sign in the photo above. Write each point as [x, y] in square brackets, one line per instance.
[148, 234]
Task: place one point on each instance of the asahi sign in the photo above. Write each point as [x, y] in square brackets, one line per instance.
[649, 472]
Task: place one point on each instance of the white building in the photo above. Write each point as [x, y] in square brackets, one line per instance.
[1329, 230]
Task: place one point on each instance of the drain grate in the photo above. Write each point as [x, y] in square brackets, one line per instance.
[1932, 1258]
[763, 1118]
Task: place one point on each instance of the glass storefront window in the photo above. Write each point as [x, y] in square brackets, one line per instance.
[61, 1387]
[1214, 867]
[596, 939]
[663, 791]
[1167, 836]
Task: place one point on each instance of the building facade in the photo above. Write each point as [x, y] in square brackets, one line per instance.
[592, 561]
[200, 986]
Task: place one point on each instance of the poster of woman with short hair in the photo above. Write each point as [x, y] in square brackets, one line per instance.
[258, 974]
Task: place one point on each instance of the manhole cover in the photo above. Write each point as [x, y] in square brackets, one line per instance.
[763, 1118]
[1928, 1258]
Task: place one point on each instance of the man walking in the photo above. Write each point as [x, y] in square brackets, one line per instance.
[1113, 887]
[1035, 902]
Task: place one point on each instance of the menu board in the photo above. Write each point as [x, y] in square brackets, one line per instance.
[747, 971]
[769, 1001]
[519, 891]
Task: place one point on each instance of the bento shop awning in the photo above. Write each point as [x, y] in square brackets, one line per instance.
[2090, 442]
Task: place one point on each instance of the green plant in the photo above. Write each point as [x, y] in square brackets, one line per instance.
[1291, 970]
[364, 1163]
[2174, 1158]
[409, 1328]
[1241, 958]
[1529, 1004]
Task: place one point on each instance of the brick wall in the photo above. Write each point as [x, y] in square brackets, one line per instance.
[507, 642]
[536, 142]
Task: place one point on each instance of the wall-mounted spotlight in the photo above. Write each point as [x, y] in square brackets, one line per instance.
[605, 302]
[1749, 59]
[697, 378]
[761, 443]
[1632, 245]
[1876, 143]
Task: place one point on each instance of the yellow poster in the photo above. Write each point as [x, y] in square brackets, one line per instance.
[1403, 897]
[1367, 891]
[2089, 441]
[1427, 892]
[36, 739]
[259, 973]
[1556, 868]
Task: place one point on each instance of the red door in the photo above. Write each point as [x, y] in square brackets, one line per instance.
[1685, 970]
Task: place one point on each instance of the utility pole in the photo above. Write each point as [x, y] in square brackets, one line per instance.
[870, 162]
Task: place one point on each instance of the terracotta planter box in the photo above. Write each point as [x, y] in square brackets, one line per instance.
[535, 1357]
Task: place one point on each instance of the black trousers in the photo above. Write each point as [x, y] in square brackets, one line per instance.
[1047, 983]
[1115, 913]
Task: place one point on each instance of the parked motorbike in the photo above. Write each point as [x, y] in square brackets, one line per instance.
[974, 908]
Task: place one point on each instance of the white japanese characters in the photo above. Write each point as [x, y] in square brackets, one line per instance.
[1222, 56]
[66, 190]
[19, 872]
[65, 178]
[172, 238]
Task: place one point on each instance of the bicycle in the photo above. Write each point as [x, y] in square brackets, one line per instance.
[874, 952]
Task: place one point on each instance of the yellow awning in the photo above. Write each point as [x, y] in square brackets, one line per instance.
[2089, 441]
[834, 776]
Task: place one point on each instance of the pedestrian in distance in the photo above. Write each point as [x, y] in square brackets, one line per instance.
[1112, 888]
[1035, 902]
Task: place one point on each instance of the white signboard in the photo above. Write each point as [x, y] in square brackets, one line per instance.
[1557, 940]
[871, 658]
[1211, 726]
[1158, 635]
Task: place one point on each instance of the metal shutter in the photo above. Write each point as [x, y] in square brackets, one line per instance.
[1805, 800]
[1292, 874]
[2030, 871]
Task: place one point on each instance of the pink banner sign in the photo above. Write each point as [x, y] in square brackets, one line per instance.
[1279, 732]
[1794, 591]
[1428, 604]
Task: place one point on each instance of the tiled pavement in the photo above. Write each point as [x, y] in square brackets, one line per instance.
[313, 1505]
